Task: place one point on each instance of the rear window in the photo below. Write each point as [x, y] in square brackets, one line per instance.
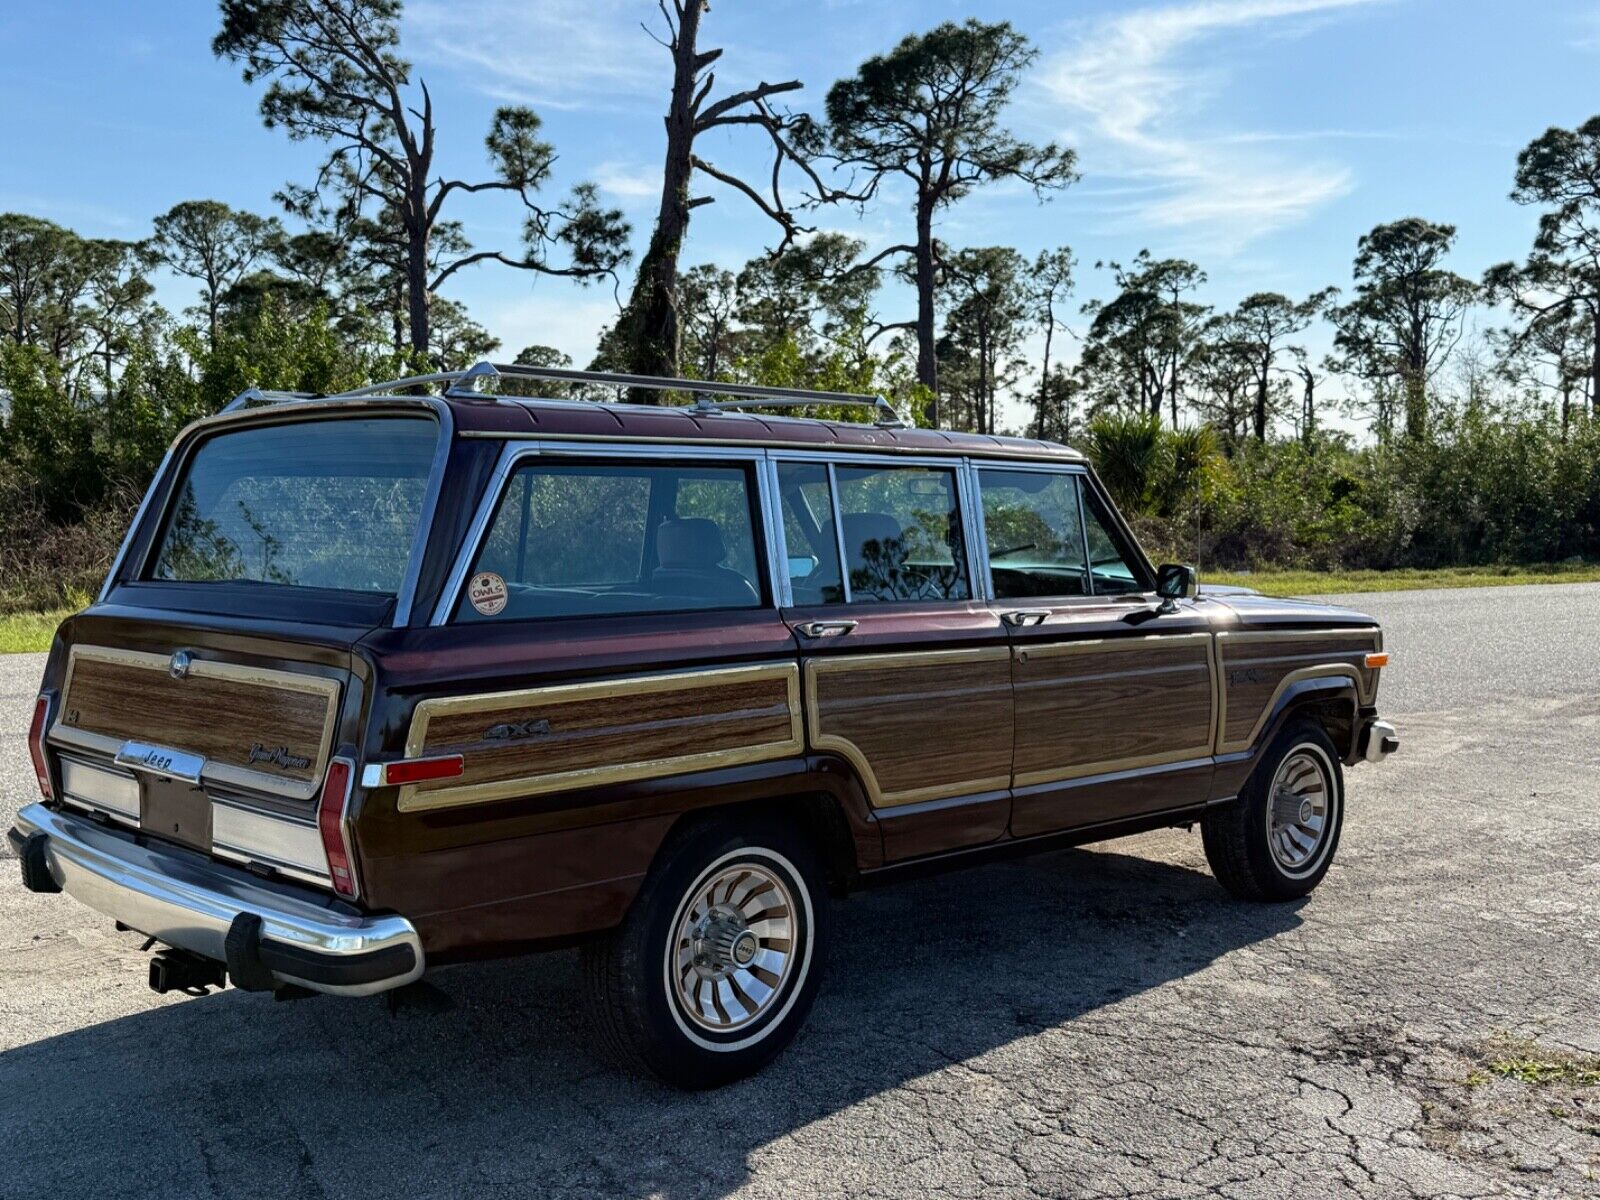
[574, 540]
[316, 504]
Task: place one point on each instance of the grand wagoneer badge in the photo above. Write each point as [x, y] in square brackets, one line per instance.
[277, 756]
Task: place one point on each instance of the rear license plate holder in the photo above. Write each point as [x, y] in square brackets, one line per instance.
[176, 810]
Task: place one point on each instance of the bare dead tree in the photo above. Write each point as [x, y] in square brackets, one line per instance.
[650, 328]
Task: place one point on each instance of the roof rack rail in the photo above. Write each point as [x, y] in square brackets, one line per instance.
[256, 396]
[466, 385]
[469, 385]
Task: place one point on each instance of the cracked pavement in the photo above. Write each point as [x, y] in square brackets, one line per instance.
[1101, 1022]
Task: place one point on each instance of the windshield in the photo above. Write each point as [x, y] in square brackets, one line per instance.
[316, 504]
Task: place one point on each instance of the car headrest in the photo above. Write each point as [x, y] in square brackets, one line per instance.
[863, 527]
[690, 543]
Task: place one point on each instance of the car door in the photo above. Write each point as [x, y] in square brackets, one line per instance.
[906, 670]
[1115, 697]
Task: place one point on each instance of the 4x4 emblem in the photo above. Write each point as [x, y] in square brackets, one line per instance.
[510, 731]
[178, 664]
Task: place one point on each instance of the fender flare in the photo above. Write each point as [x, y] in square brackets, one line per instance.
[1321, 692]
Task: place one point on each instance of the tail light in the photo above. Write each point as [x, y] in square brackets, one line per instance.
[418, 770]
[41, 766]
[333, 823]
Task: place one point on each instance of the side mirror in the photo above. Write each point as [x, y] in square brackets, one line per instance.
[1174, 582]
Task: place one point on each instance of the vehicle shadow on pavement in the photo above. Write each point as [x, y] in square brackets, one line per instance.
[235, 1095]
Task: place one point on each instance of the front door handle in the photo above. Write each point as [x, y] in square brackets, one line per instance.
[822, 629]
[1025, 616]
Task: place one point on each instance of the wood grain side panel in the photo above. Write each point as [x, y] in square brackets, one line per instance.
[920, 726]
[542, 740]
[1258, 666]
[221, 711]
[1087, 708]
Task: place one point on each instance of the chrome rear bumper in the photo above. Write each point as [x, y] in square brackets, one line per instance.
[266, 934]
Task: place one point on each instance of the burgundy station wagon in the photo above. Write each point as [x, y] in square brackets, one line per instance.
[385, 680]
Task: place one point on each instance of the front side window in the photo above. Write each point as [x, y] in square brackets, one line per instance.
[583, 539]
[1111, 571]
[902, 534]
[1034, 525]
[312, 504]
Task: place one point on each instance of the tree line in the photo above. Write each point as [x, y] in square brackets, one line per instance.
[1198, 416]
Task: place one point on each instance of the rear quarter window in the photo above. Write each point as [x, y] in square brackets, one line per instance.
[583, 539]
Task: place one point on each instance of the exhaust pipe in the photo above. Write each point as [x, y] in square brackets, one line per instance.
[180, 971]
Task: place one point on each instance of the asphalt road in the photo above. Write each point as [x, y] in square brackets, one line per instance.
[1096, 1022]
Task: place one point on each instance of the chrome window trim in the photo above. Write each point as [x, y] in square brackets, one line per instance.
[1025, 454]
[838, 533]
[977, 549]
[515, 451]
[183, 447]
[777, 540]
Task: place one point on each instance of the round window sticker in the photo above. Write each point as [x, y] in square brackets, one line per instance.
[487, 591]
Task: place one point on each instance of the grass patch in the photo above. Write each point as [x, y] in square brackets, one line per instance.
[26, 632]
[1535, 1065]
[1314, 583]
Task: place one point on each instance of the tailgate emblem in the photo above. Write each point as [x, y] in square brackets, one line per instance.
[512, 731]
[277, 756]
[178, 664]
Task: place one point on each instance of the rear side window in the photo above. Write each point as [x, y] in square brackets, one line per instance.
[901, 529]
[313, 504]
[579, 539]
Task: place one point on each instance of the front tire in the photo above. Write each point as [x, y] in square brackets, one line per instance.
[1277, 840]
[715, 967]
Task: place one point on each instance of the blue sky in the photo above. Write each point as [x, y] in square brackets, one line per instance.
[1258, 137]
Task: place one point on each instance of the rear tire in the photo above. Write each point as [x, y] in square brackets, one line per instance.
[1277, 840]
[715, 967]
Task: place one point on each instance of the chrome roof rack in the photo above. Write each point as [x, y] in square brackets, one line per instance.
[252, 396]
[472, 384]
[745, 395]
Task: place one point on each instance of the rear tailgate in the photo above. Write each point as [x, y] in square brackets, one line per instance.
[213, 738]
[252, 728]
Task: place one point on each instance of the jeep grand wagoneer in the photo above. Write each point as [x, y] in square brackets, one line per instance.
[384, 680]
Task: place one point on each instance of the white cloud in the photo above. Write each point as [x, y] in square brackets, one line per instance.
[570, 322]
[1133, 95]
[628, 181]
[556, 55]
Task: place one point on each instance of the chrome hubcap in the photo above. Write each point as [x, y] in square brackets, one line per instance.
[733, 946]
[1297, 815]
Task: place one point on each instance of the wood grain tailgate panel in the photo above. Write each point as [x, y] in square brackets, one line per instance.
[541, 740]
[218, 710]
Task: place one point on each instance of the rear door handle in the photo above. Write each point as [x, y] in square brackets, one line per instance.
[1025, 616]
[822, 629]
